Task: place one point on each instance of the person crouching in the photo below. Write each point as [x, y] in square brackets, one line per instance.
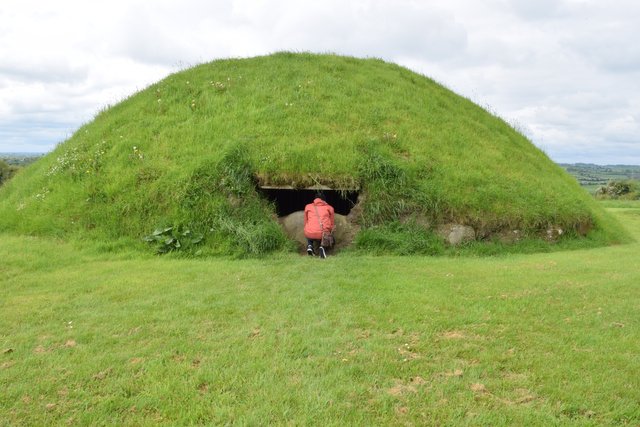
[319, 222]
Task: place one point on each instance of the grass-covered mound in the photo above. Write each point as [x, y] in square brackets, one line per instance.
[188, 152]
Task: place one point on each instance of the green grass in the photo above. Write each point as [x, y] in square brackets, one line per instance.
[92, 338]
[186, 151]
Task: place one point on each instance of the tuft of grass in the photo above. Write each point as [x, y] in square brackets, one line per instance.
[400, 239]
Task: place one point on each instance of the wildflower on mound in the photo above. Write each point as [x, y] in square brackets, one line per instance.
[42, 194]
[219, 86]
[137, 153]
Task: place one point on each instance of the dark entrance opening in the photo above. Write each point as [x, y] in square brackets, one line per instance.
[289, 200]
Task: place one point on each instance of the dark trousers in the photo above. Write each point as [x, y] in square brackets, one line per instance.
[313, 242]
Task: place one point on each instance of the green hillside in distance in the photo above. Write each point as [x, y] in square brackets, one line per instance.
[591, 177]
[192, 151]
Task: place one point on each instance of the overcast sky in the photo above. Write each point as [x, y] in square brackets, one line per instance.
[565, 72]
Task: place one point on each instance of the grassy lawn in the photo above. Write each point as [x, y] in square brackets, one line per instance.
[89, 338]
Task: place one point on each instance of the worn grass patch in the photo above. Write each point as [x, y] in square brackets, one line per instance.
[88, 338]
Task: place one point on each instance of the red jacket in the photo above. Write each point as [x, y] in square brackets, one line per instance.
[312, 229]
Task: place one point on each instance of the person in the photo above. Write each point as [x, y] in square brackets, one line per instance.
[319, 217]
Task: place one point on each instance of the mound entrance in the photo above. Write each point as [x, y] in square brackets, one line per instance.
[288, 200]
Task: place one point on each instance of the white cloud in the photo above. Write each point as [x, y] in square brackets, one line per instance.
[565, 71]
[381, 29]
[538, 10]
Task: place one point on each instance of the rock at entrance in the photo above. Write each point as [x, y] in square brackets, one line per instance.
[456, 234]
[509, 236]
[293, 225]
[553, 233]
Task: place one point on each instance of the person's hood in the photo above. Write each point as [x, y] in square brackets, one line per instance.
[319, 202]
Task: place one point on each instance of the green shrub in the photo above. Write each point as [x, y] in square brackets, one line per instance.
[7, 171]
[625, 189]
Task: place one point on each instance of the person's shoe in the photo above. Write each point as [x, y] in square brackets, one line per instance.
[322, 253]
[310, 250]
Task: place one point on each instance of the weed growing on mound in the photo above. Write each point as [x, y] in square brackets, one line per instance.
[169, 239]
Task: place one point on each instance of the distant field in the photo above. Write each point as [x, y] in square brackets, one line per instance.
[88, 338]
[20, 159]
[593, 176]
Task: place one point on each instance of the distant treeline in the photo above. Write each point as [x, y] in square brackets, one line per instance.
[20, 159]
[11, 163]
[593, 175]
[7, 171]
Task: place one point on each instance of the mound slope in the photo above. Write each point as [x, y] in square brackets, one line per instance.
[192, 151]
